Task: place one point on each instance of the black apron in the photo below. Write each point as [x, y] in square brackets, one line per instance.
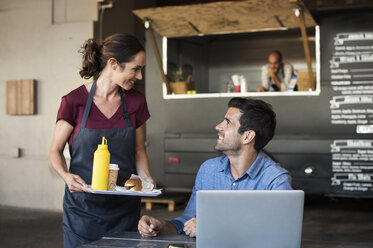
[88, 217]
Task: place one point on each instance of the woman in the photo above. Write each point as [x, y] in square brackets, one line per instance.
[106, 107]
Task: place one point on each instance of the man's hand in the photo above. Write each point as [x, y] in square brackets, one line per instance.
[272, 72]
[190, 227]
[75, 183]
[260, 89]
[149, 226]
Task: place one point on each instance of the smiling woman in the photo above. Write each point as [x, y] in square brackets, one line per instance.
[126, 74]
[110, 107]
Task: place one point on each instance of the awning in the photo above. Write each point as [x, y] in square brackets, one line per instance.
[225, 17]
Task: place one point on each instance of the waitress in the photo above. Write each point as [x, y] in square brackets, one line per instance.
[110, 107]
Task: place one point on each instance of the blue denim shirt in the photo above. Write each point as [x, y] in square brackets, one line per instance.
[215, 174]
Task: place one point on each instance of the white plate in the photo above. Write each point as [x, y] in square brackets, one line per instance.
[122, 191]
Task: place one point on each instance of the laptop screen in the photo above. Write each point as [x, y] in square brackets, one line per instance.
[249, 218]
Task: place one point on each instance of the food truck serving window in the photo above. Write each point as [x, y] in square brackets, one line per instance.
[218, 49]
[213, 66]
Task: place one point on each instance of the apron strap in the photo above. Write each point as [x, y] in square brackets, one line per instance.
[88, 104]
[126, 115]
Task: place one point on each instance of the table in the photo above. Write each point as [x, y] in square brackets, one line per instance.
[134, 239]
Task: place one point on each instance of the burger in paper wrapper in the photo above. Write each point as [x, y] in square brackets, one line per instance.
[137, 183]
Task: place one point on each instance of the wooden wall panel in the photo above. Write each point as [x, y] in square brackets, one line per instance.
[20, 97]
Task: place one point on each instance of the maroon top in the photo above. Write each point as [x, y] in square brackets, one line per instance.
[73, 104]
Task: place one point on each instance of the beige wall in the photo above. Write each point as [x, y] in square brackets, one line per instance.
[39, 40]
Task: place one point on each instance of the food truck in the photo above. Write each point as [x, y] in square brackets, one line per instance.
[324, 128]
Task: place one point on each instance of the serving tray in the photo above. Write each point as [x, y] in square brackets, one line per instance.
[123, 191]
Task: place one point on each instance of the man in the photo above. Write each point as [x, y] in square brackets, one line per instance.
[247, 127]
[276, 75]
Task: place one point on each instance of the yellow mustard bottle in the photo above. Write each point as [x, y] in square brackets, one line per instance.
[100, 171]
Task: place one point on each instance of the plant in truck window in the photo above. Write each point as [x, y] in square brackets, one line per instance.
[181, 80]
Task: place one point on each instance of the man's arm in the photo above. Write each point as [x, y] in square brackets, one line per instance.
[288, 73]
[189, 212]
[281, 182]
[275, 78]
[149, 227]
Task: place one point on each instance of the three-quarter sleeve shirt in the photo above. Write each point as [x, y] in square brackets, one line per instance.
[73, 104]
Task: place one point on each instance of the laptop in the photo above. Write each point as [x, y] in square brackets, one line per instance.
[249, 218]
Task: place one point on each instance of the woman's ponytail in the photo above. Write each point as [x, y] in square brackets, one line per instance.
[91, 59]
[122, 47]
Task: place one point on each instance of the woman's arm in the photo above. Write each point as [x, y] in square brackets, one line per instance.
[62, 132]
[142, 161]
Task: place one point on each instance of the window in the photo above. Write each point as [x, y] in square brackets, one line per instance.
[211, 60]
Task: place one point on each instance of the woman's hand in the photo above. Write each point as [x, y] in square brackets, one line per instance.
[151, 180]
[75, 183]
[61, 134]
[142, 161]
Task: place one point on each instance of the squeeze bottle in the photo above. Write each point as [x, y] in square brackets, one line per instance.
[100, 171]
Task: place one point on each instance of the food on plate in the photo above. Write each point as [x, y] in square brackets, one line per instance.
[133, 184]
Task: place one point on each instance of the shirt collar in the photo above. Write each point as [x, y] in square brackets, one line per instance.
[224, 164]
[252, 172]
[255, 168]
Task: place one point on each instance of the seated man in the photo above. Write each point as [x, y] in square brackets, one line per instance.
[276, 75]
[247, 127]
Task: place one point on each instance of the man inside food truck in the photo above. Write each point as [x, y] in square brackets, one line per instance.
[276, 75]
[247, 127]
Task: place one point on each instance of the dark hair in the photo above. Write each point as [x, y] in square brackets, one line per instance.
[258, 116]
[122, 47]
[278, 53]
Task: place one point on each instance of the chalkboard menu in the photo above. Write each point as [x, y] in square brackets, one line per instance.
[347, 68]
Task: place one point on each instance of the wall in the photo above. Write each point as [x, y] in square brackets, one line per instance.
[39, 40]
